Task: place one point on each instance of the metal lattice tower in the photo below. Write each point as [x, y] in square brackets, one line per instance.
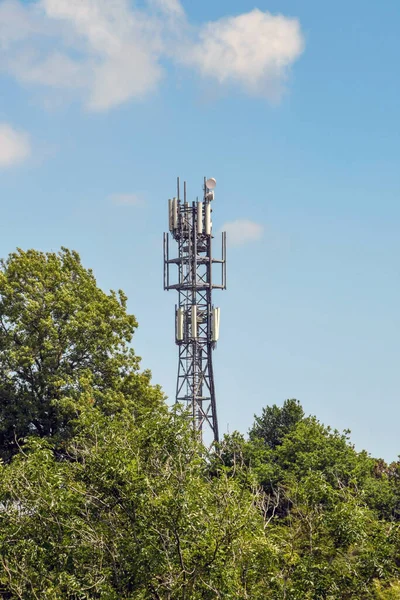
[196, 318]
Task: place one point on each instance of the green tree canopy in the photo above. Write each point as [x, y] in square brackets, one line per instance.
[333, 510]
[276, 422]
[132, 515]
[59, 332]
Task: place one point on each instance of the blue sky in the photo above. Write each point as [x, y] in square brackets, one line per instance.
[102, 105]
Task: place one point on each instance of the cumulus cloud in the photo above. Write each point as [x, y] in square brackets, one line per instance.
[242, 231]
[14, 146]
[253, 50]
[126, 199]
[171, 7]
[103, 49]
[109, 51]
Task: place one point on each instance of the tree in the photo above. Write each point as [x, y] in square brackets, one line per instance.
[390, 592]
[58, 331]
[132, 515]
[330, 509]
[276, 422]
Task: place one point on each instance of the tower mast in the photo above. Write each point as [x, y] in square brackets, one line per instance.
[196, 318]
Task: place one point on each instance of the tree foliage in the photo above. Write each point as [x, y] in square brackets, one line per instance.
[276, 422]
[58, 330]
[132, 514]
[105, 493]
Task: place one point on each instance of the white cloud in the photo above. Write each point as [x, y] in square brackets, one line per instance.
[171, 7]
[242, 231]
[18, 23]
[115, 83]
[126, 199]
[253, 50]
[14, 146]
[56, 70]
[109, 51]
[103, 49]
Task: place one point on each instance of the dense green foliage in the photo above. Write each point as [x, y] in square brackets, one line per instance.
[57, 331]
[106, 494]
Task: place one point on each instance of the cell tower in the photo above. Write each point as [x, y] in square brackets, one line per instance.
[196, 318]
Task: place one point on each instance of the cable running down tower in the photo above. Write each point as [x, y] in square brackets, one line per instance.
[196, 318]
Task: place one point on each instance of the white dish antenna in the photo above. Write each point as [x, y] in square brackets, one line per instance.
[211, 183]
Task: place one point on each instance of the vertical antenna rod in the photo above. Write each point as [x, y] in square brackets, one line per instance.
[196, 318]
